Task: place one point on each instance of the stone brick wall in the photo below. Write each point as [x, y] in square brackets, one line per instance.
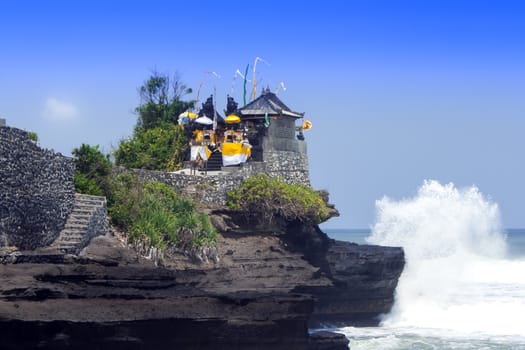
[36, 191]
[292, 167]
[98, 224]
[210, 189]
[283, 154]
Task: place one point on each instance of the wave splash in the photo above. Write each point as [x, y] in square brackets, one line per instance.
[457, 279]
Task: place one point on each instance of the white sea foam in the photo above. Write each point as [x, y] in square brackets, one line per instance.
[457, 282]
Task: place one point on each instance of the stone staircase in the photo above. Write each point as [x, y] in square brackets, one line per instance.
[215, 162]
[87, 220]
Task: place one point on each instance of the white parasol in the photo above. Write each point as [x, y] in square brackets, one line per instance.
[204, 120]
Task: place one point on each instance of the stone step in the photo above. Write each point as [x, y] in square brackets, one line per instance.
[88, 196]
[80, 215]
[90, 203]
[84, 208]
[75, 226]
[68, 233]
[83, 222]
[90, 200]
[71, 239]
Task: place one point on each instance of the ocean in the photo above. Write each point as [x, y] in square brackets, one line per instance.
[463, 286]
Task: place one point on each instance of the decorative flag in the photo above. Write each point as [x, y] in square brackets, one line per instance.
[214, 109]
[254, 89]
[307, 125]
[245, 74]
[266, 120]
[281, 85]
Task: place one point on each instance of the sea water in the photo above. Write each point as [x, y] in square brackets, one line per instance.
[463, 285]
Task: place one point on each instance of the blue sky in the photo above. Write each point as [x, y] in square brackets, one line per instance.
[398, 91]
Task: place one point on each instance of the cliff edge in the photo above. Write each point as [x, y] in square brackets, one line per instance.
[264, 291]
[67, 281]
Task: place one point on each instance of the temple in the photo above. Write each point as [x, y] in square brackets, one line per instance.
[264, 130]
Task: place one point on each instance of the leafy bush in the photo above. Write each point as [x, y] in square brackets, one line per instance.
[155, 213]
[267, 197]
[92, 168]
[33, 136]
[159, 148]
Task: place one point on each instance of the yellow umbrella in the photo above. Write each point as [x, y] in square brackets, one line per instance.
[233, 119]
[188, 114]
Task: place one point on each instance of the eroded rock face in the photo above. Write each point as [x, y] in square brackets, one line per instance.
[352, 284]
[110, 298]
[262, 292]
[364, 281]
[363, 277]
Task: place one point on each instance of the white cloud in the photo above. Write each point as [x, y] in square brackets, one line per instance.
[56, 110]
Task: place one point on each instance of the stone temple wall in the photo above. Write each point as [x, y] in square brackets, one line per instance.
[283, 156]
[36, 191]
[292, 167]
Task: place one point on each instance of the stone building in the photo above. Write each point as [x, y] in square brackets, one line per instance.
[271, 127]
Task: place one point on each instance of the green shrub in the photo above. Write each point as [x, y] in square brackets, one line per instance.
[92, 168]
[84, 184]
[159, 148]
[267, 197]
[33, 136]
[155, 213]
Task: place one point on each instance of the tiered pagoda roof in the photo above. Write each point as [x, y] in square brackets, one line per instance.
[267, 104]
[208, 110]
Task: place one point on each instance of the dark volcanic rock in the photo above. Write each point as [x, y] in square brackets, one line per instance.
[90, 302]
[260, 293]
[352, 284]
[177, 333]
[328, 341]
[365, 278]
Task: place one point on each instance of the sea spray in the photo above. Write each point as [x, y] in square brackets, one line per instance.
[457, 280]
[439, 222]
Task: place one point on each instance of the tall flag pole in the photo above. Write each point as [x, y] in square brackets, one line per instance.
[237, 73]
[214, 110]
[198, 93]
[245, 74]
[254, 89]
[214, 98]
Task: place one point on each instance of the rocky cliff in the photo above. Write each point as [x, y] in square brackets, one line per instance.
[110, 298]
[262, 287]
[262, 292]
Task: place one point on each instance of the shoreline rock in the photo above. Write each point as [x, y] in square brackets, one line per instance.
[265, 292]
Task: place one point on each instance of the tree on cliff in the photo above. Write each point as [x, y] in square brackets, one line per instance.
[161, 100]
[92, 168]
[158, 142]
